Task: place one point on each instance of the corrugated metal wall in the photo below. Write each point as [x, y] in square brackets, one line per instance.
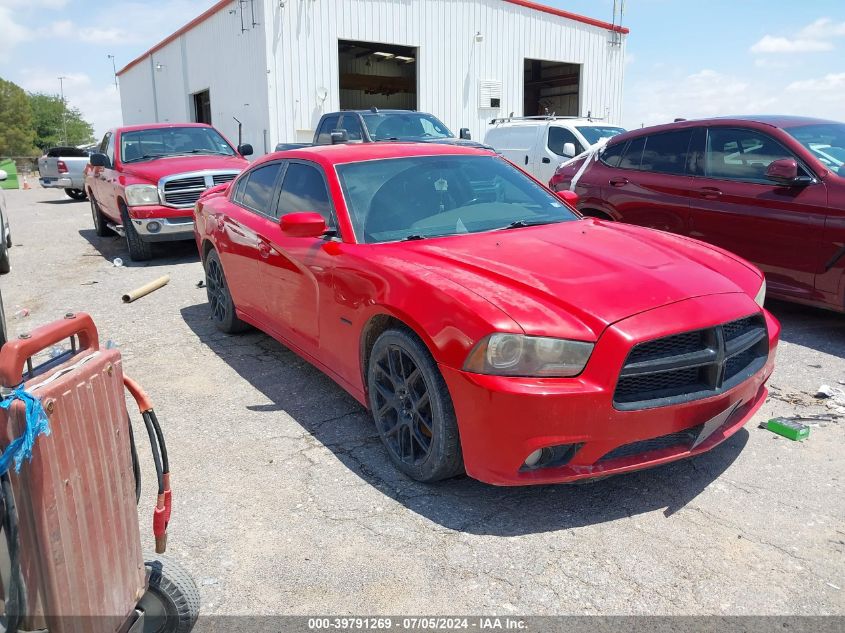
[216, 56]
[284, 76]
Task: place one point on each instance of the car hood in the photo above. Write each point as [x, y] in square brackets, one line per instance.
[153, 170]
[575, 278]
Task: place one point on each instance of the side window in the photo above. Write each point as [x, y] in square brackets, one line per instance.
[324, 135]
[257, 193]
[352, 126]
[739, 154]
[666, 153]
[634, 154]
[558, 136]
[110, 149]
[611, 154]
[304, 189]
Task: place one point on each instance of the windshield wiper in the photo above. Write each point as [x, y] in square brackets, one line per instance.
[413, 237]
[521, 224]
[145, 157]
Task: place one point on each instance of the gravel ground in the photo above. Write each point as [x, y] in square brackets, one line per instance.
[285, 503]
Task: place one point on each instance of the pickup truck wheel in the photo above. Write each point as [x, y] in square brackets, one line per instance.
[5, 265]
[412, 408]
[100, 226]
[76, 194]
[139, 250]
[219, 298]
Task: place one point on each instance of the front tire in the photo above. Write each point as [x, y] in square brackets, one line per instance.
[219, 298]
[76, 194]
[172, 601]
[412, 408]
[5, 264]
[139, 250]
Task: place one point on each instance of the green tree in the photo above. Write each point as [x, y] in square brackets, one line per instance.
[16, 133]
[49, 127]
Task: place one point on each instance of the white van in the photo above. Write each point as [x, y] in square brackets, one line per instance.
[539, 144]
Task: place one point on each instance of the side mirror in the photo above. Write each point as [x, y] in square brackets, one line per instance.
[784, 171]
[3, 175]
[339, 136]
[245, 149]
[302, 224]
[569, 149]
[100, 160]
[465, 134]
[569, 197]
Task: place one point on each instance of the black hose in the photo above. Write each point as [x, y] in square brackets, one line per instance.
[136, 467]
[15, 596]
[154, 446]
[165, 462]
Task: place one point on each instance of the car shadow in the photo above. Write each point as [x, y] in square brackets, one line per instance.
[343, 426]
[164, 254]
[62, 201]
[810, 327]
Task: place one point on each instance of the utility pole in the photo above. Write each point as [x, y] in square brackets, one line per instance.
[111, 57]
[64, 108]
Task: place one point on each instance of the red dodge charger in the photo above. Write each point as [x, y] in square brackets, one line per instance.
[486, 325]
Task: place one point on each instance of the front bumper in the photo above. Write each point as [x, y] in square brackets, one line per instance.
[59, 183]
[503, 420]
[162, 224]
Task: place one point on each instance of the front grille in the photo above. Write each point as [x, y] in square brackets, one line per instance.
[184, 191]
[692, 365]
[682, 439]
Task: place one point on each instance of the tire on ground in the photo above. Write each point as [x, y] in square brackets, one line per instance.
[219, 297]
[139, 250]
[445, 459]
[172, 601]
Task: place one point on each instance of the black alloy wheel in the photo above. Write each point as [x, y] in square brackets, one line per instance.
[412, 408]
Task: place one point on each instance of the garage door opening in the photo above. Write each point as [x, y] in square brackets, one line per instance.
[377, 76]
[551, 88]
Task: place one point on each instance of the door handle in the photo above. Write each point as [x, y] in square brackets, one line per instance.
[547, 160]
[264, 251]
[619, 182]
[710, 192]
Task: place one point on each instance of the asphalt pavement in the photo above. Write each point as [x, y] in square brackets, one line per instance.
[285, 502]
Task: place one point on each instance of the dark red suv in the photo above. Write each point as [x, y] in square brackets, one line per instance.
[769, 188]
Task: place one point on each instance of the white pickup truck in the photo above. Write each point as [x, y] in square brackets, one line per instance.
[63, 168]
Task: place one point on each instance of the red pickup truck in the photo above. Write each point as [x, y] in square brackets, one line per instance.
[144, 180]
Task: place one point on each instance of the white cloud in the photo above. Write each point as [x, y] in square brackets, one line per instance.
[814, 38]
[708, 93]
[11, 33]
[771, 44]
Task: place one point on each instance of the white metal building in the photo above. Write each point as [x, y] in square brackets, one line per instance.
[278, 65]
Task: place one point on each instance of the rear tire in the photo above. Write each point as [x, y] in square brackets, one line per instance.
[76, 194]
[172, 601]
[412, 408]
[5, 264]
[139, 250]
[219, 297]
[100, 226]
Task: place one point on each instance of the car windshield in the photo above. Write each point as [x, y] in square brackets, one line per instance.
[595, 133]
[404, 126]
[141, 145]
[433, 196]
[826, 141]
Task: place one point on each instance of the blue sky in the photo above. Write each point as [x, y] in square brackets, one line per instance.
[684, 58]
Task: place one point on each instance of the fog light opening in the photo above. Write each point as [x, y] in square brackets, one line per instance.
[551, 456]
[153, 227]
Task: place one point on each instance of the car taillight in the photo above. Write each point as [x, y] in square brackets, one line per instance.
[62, 167]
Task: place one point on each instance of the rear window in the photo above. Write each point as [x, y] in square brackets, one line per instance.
[258, 192]
[666, 153]
[633, 156]
[611, 154]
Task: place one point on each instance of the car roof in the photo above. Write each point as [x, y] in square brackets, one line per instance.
[550, 121]
[771, 120]
[155, 126]
[329, 155]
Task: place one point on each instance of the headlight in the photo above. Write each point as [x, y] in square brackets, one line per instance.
[141, 194]
[519, 355]
[761, 294]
